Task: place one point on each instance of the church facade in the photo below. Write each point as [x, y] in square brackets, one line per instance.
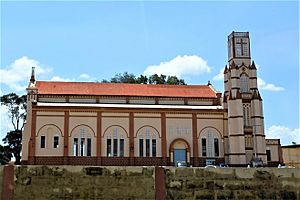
[77, 123]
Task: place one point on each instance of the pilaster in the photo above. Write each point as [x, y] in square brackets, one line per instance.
[99, 136]
[195, 140]
[131, 138]
[163, 138]
[236, 137]
[66, 136]
[31, 146]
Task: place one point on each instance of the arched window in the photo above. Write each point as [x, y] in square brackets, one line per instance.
[246, 114]
[244, 83]
[115, 146]
[82, 137]
[116, 141]
[49, 137]
[210, 143]
[147, 142]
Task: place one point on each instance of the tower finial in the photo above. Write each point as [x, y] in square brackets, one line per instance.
[253, 65]
[32, 78]
[233, 65]
[225, 69]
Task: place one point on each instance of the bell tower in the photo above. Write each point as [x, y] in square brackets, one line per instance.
[246, 139]
[239, 48]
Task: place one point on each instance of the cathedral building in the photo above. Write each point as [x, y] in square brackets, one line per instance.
[89, 123]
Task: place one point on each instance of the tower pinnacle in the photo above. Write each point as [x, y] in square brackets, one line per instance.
[32, 78]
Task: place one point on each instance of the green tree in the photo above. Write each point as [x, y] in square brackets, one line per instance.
[5, 155]
[155, 79]
[173, 80]
[104, 81]
[142, 79]
[123, 78]
[16, 106]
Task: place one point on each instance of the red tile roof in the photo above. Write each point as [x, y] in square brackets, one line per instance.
[122, 89]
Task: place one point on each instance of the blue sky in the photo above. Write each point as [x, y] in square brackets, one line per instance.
[90, 41]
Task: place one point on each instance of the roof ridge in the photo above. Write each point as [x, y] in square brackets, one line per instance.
[162, 85]
[125, 89]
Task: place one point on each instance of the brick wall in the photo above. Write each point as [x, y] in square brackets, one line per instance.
[100, 161]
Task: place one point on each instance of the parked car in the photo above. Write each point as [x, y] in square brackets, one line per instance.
[223, 165]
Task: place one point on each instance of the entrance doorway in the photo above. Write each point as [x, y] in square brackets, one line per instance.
[180, 153]
[180, 157]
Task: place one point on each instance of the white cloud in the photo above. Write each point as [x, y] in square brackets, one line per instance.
[219, 76]
[58, 78]
[179, 66]
[81, 77]
[17, 74]
[260, 83]
[268, 86]
[285, 134]
[86, 77]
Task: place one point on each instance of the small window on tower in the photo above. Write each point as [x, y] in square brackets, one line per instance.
[244, 83]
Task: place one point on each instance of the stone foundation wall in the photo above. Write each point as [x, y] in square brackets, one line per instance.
[72, 182]
[232, 183]
[92, 182]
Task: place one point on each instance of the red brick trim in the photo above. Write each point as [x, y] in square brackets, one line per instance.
[99, 129]
[163, 135]
[131, 137]
[8, 182]
[195, 140]
[160, 183]
[66, 134]
[100, 161]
